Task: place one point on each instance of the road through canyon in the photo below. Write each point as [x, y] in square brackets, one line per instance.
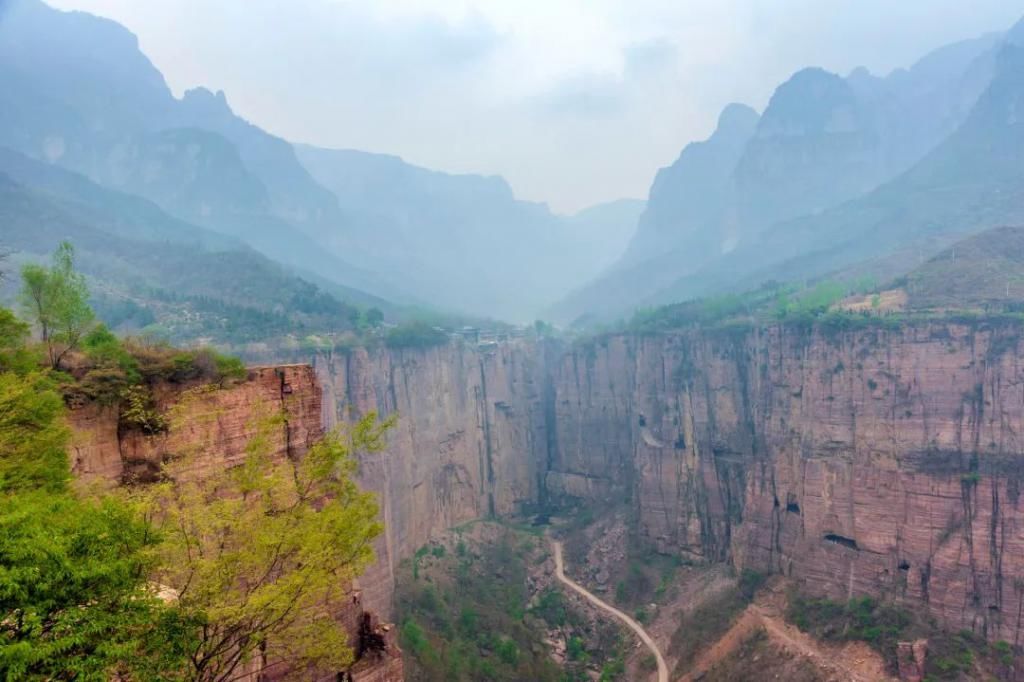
[593, 599]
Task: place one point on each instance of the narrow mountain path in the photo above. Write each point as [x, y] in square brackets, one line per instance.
[597, 601]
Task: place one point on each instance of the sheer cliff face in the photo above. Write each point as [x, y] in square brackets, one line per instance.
[469, 441]
[216, 424]
[869, 462]
[882, 461]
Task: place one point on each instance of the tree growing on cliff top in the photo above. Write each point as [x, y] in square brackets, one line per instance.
[261, 555]
[74, 603]
[56, 298]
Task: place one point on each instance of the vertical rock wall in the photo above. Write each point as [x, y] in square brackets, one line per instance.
[214, 423]
[469, 441]
[883, 462]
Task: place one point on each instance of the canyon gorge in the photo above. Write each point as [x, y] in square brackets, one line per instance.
[878, 461]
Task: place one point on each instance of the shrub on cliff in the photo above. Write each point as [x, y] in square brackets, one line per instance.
[415, 335]
[246, 561]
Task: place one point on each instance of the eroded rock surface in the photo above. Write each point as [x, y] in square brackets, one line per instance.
[469, 442]
[879, 462]
[212, 426]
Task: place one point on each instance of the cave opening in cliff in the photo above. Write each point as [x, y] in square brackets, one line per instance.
[841, 540]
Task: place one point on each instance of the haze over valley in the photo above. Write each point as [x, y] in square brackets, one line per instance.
[488, 341]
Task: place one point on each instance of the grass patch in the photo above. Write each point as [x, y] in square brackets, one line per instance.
[951, 656]
[465, 615]
[709, 621]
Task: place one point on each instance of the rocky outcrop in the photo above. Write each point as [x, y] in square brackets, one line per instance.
[470, 440]
[214, 425]
[882, 461]
[910, 657]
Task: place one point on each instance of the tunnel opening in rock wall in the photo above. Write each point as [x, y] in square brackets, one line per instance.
[841, 540]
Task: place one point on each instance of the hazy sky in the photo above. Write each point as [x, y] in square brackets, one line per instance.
[574, 101]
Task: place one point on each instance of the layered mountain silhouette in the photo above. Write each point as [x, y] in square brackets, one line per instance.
[836, 171]
[149, 267]
[76, 91]
[464, 230]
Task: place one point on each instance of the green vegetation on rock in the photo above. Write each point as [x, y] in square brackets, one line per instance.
[468, 615]
[951, 656]
[184, 579]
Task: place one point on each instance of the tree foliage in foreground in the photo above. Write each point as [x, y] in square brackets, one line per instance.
[259, 554]
[188, 579]
[74, 603]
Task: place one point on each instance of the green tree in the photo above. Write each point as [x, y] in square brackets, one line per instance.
[73, 600]
[14, 356]
[32, 435]
[57, 300]
[74, 603]
[374, 317]
[261, 553]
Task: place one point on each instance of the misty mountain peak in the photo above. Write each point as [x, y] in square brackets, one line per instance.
[813, 101]
[204, 102]
[736, 119]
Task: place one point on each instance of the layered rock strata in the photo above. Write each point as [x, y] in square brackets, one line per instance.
[884, 462]
[212, 426]
[469, 442]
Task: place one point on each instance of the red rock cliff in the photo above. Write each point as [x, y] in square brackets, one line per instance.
[217, 424]
[469, 442]
[882, 462]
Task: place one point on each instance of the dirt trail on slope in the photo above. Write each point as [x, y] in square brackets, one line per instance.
[849, 662]
[596, 601]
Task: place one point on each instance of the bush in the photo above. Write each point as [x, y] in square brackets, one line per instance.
[104, 350]
[862, 619]
[507, 651]
[551, 607]
[105, 385]
[575, 650]
[414, 639]
[415, 335]
[139, 412]
[616, 668]
[161, 362]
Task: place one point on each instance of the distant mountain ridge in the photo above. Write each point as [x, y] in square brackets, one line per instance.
[466, 232]
[76, 91]
[823, 141]
[149, 268]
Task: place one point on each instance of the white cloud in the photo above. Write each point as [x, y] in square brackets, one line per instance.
[574, 101]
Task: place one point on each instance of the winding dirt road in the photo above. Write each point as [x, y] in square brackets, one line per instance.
[633, 625]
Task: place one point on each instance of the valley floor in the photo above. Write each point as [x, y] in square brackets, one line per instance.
[600, 603]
